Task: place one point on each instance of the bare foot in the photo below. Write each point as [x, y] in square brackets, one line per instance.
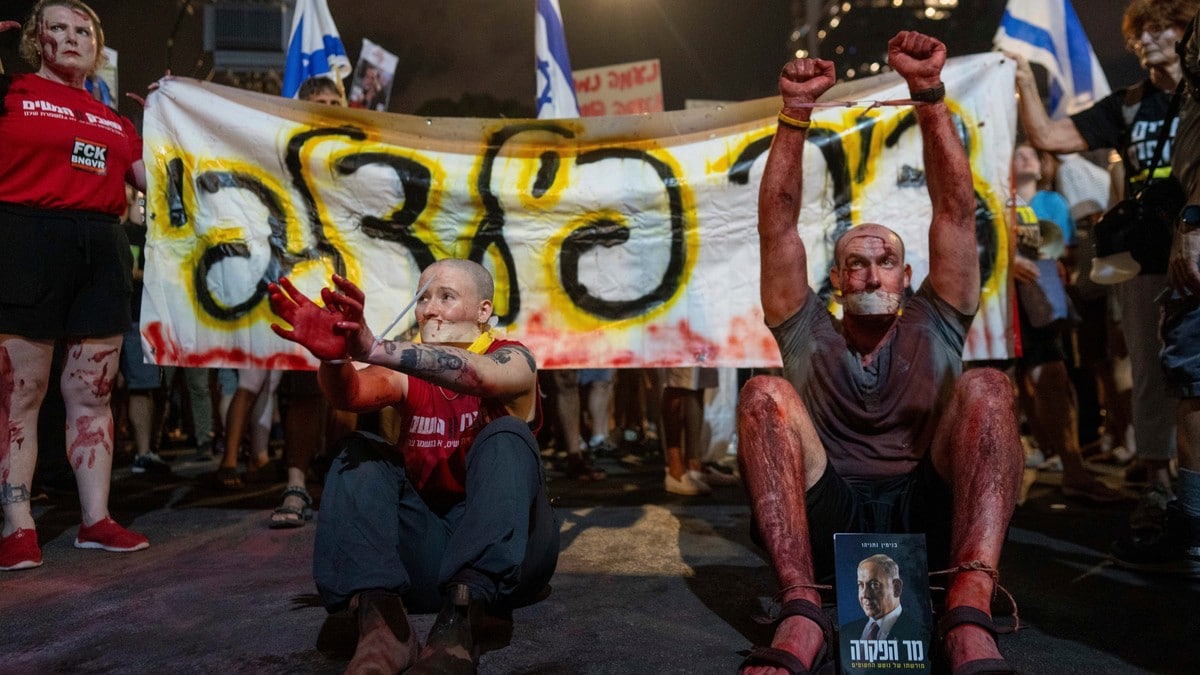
[386, 642]
[795, 634]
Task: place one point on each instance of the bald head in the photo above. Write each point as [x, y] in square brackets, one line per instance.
[866, 230]
[478, 276]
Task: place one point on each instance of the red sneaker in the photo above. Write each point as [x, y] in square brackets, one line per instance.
[110, 536]
[19, 550]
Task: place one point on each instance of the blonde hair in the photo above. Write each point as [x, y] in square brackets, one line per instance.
[31, 50]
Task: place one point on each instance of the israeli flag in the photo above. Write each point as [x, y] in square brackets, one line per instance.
[1047, 32]
[555, 84]
[315, 47]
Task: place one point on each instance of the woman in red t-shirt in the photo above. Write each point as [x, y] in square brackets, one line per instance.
[65, 269]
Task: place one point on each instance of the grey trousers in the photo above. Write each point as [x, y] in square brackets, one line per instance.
[375, 532]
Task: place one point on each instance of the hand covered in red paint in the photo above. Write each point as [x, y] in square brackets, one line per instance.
[803, 81]
[9, 25]
[918, 58]
[348, 301]
[313, 327]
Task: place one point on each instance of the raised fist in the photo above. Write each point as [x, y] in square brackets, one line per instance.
[918, 58]
[803, 81]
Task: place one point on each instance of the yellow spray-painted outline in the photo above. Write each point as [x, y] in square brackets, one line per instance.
[581, 320]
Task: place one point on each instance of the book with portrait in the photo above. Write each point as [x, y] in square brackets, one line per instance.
[883, 607]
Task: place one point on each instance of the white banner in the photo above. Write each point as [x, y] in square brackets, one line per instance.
[617, 241]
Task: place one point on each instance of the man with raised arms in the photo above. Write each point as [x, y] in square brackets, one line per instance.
[876, 428]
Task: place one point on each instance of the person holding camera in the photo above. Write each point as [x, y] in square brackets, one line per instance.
[1131, 120]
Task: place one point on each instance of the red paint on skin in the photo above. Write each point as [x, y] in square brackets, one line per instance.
[87, 437]
[101, 355]
[6, 393]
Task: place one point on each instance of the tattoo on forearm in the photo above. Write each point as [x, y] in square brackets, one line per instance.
[11, 494]
[505, 354]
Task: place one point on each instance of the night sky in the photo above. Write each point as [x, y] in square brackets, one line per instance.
[709, 49]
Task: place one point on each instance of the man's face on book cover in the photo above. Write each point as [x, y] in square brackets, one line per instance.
[878, 593]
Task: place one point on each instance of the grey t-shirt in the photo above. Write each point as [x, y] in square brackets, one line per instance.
[875, 421]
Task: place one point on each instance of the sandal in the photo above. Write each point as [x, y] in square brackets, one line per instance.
[293, 517]
[228, 478]
[823, 664]
[963, 614]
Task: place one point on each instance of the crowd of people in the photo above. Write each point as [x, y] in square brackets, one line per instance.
[873, 423]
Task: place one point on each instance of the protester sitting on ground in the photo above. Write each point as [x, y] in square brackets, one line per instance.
[875, 427]
[1130, 120]
[63, 170]
[456, 515]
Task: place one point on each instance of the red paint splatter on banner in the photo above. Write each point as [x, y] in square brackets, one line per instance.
[693, 344]
[89, 436]
[166, 351]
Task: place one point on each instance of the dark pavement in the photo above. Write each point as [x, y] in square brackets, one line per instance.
[647, 583]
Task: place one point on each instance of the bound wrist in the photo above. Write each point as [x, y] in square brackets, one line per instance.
[931, 94]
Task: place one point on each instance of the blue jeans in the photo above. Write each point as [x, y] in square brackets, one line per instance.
[375, 532]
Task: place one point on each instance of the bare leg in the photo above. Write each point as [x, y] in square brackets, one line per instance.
[599, 397]
[89, 371]
[302, 432]
[781, 457]
[24, 376]
[978, 453]
[235, 425]
[141, 418]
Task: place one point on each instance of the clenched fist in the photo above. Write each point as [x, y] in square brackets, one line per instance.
[803, 81]
[918, 58]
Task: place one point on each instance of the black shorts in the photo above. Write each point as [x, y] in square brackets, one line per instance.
[913, 502]
[63, 274]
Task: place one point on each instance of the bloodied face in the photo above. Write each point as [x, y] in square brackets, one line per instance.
[871, 274]
[456, 305]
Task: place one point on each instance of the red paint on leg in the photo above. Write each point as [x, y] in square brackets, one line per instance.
[88, 436]
[6, 393]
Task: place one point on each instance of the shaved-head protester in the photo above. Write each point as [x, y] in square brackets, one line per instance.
[876, 428]
[455, 515]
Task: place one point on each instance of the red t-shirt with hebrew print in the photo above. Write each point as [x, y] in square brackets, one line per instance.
[437, 431]
[62, 149]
